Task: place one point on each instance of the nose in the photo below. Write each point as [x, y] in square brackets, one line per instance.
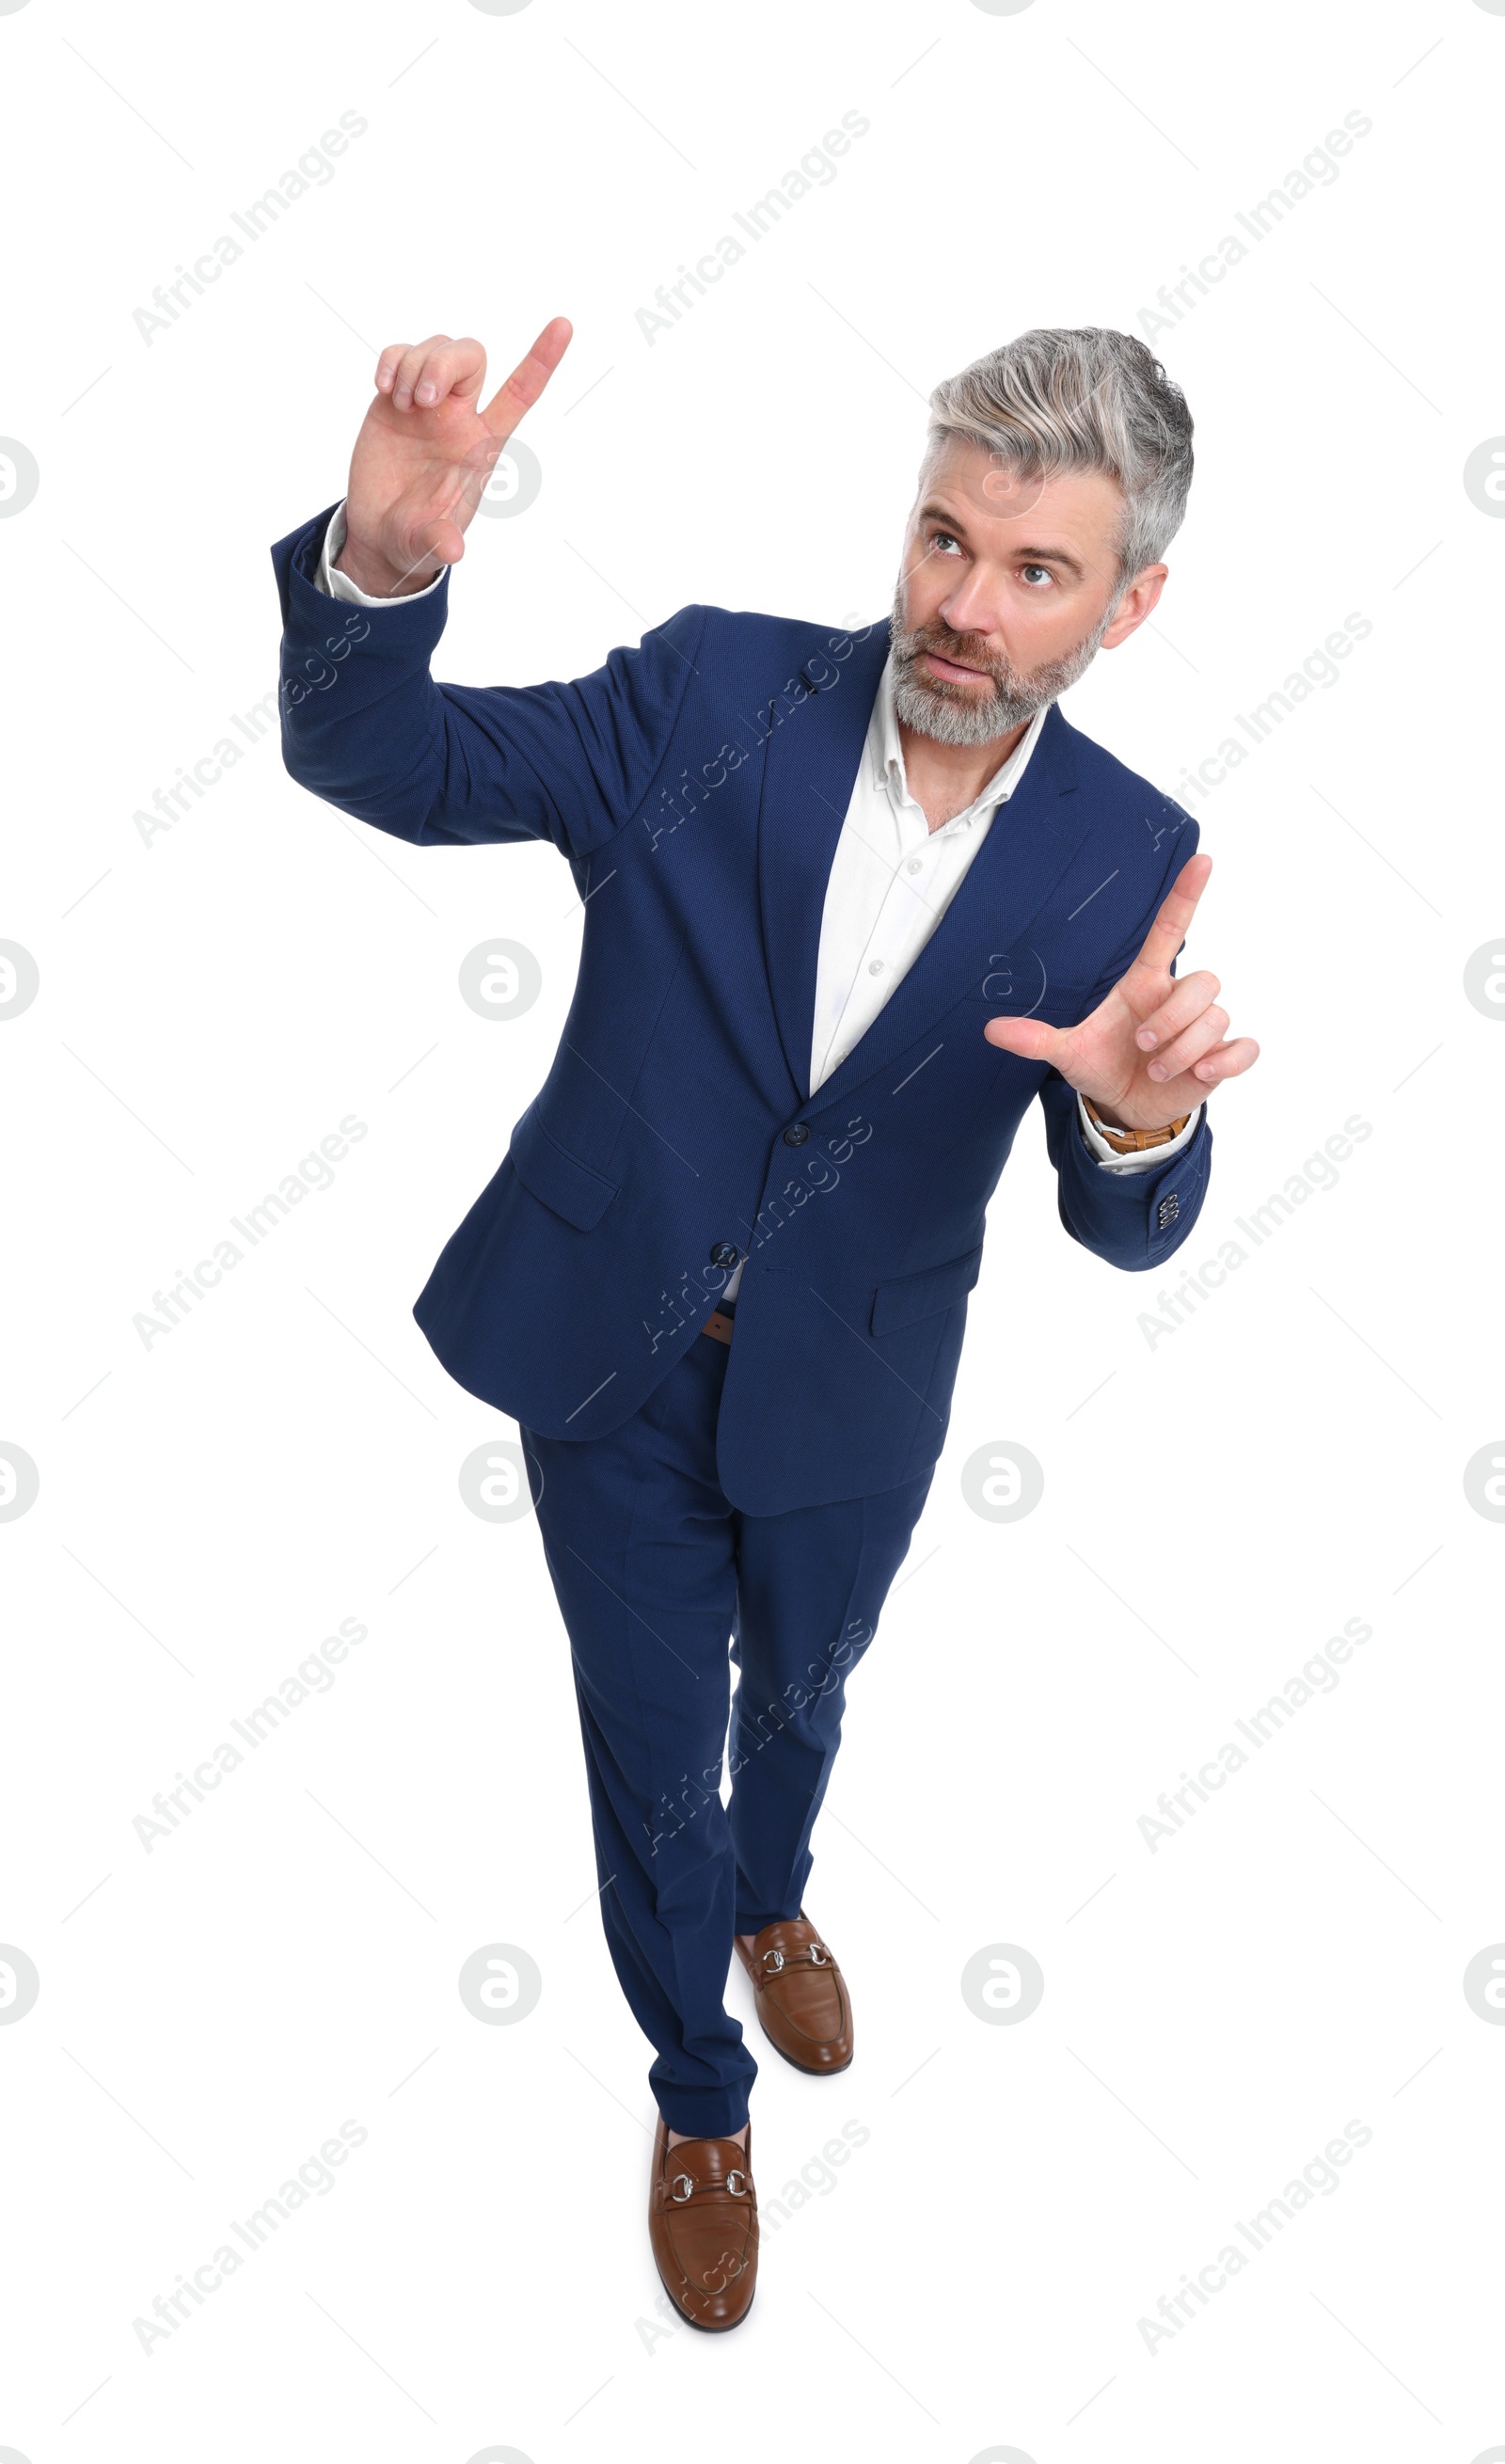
[971, 607]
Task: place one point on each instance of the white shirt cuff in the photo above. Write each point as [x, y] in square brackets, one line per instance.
[338, 586]
[1151, 1158]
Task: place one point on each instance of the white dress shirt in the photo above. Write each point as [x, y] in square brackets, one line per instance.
[891, 880]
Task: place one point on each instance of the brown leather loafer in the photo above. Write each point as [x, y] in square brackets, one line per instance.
[703, 2226]
[803, 1999]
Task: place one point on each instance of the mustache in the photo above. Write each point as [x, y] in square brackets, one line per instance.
[967, 649]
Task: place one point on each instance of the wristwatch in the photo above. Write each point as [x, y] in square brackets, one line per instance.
[1134, 1141]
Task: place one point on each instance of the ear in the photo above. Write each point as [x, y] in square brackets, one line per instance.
[1139, 601]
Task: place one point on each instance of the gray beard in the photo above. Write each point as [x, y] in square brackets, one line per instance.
[957, 714]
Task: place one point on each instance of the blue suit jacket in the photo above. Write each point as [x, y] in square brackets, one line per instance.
[697, 786]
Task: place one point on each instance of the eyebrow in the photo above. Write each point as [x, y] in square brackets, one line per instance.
[934, 511]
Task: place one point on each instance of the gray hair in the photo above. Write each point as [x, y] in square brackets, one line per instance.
[1079, 399]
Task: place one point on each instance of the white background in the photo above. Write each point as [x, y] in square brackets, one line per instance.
[1216, 1504]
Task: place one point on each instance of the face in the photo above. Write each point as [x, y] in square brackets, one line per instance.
[1008, 589]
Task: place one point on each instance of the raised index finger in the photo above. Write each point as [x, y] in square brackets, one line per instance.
[528, 379]
[1176, 909]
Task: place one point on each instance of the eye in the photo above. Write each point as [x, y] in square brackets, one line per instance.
[1034, 575]
[944, 543]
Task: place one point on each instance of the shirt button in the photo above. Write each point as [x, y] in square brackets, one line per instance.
[914, 865]
[723, 1254]
[875, 968]
[796, 1136]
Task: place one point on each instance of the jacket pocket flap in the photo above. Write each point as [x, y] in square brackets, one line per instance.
[908, 1297]
[1029, 998]
[555, 1177]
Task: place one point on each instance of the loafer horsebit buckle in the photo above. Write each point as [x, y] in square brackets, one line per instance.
[737, 2183]
[817, 1955]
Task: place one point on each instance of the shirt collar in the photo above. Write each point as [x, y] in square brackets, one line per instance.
[885, 752]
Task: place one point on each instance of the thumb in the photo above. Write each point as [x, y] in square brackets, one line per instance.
[1029, 1037]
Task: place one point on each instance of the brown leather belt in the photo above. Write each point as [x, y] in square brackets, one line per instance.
[718, 1326]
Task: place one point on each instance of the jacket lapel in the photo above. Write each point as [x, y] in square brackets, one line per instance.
[813, 753]
[1031, 839]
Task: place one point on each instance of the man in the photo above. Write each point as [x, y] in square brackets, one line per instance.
[852, 901]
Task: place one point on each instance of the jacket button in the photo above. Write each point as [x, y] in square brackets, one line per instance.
[723, 1254]
[796, 1136]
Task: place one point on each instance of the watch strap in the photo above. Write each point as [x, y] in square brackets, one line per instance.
[1134, 1141]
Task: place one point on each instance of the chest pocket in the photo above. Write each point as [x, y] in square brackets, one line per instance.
[1016, 985]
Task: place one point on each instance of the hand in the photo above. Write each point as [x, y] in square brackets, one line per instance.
[1153, 1049]
[424, 452]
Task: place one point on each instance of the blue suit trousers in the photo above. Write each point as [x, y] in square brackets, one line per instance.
[664, 1586]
